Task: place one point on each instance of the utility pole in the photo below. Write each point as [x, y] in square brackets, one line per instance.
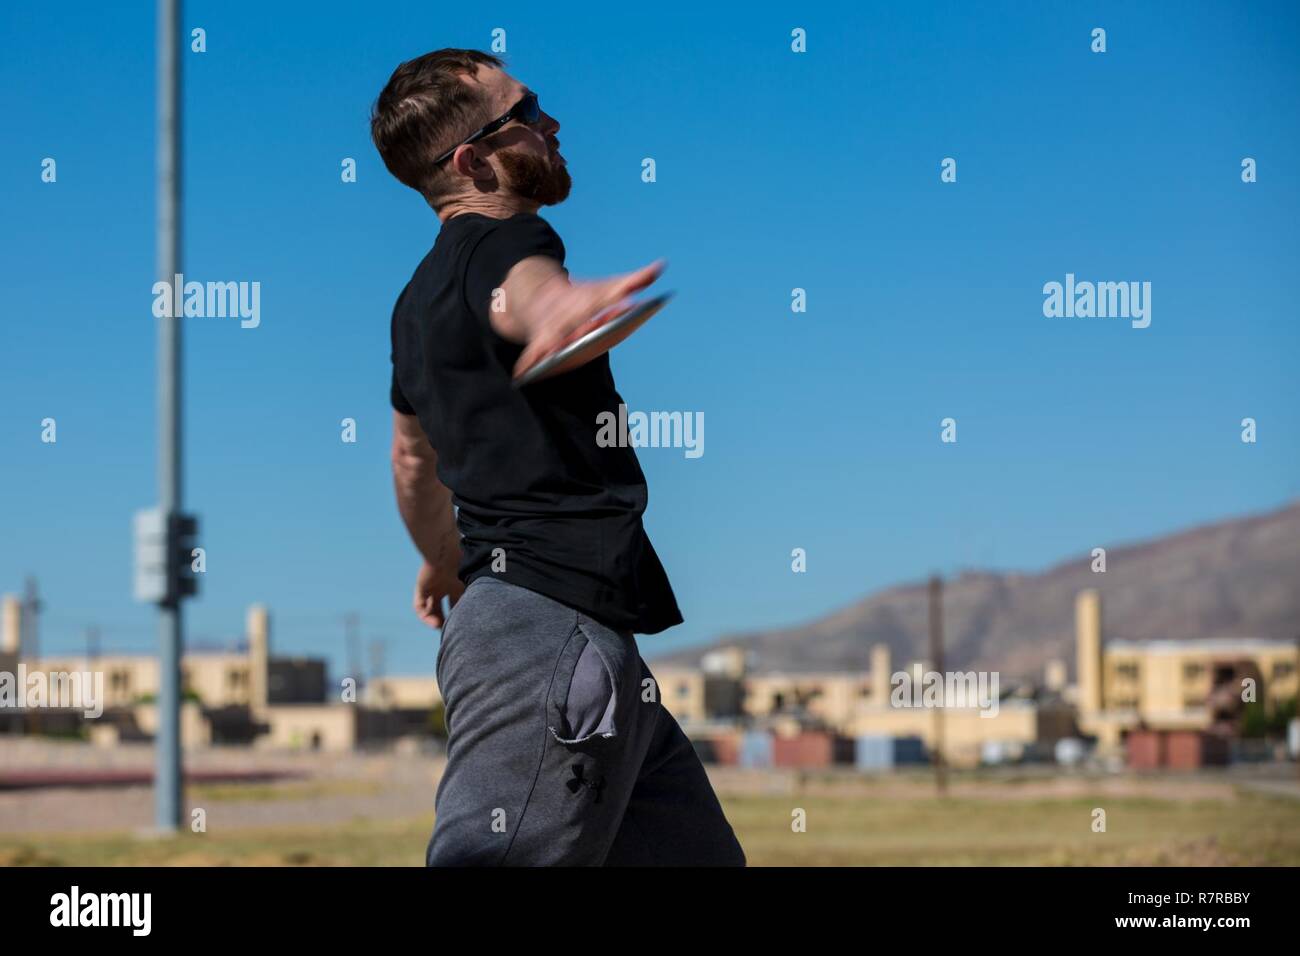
[164, 534]
[352, 644]
[936, 655]
[377, 649]
[29, 637]
[29, 642]
[92, 646]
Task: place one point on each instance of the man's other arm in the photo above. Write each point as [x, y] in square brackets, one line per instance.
[425, 505]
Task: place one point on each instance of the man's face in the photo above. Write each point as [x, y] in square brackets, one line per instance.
[526, 158]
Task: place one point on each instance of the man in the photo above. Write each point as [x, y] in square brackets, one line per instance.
[559, 751]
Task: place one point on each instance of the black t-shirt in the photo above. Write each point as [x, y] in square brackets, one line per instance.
[523, 465]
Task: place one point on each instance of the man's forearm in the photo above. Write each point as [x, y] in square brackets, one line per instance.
[426, 510]
[424, 503]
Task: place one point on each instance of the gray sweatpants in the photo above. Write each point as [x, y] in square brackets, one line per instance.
[559, 751]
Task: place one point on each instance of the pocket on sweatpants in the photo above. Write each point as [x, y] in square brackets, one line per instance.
[590, 702]
[586, 705]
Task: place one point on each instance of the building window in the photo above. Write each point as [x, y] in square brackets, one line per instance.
[1127, 671]
[1283, 669]
[1193, 671]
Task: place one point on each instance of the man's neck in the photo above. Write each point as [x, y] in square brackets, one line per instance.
[493, 205]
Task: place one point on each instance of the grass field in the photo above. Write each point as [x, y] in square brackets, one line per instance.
[888, 827]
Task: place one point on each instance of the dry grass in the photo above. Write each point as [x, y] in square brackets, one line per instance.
[843, 829]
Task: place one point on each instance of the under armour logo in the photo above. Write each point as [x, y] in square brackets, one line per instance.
[579, 781]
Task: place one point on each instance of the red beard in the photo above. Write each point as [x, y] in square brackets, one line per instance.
[535, 179]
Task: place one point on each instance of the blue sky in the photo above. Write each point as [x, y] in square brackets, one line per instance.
[775, 170]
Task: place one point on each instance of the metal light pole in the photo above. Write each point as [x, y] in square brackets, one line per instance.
[167, 773]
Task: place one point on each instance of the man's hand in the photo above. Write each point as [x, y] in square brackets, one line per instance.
[546, 311]
[431, 586]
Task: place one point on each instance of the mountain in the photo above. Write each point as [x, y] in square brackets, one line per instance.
[1235, 578]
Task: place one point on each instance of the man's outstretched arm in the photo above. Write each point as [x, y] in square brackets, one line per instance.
[543, 309]
[425, 505]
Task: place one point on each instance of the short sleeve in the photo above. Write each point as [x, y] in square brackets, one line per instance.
[395, 396]
[397, 399]
[497, 252]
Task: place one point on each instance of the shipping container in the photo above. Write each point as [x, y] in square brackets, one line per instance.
[909, 750]
[812, 748]
[1191, 749]
[1146, 749]
[726, 748]
[756, 749]
[874, 753]
[1070, 751]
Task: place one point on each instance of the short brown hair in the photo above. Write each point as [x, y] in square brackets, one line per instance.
[425, 110]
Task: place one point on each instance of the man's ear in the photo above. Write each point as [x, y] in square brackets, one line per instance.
[472, 164]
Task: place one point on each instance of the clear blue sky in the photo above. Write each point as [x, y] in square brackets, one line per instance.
[775, 171]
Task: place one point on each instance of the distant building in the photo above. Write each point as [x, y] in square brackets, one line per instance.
[1166, 686]
[11, 629]
[1172, 685]
[232, 697]
[1056, 676]
[849, 704]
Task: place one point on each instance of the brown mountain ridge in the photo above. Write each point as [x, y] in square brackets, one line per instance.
[1233, 578]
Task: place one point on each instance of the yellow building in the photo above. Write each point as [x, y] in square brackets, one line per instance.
[235, 697]
[311, 727]
[1122, 685]
[1172, 684]
[681, 690]
[403, 692]
[11, 629]
[221, 679]
[1119, 686]
[832, 698]
[967, 731]
[854, 703]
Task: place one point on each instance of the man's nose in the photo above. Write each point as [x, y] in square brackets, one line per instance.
[549, 123]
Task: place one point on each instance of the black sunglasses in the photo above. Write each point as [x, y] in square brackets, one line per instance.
[526, 111]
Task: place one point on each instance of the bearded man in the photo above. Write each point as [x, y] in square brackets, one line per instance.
[559, 750]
